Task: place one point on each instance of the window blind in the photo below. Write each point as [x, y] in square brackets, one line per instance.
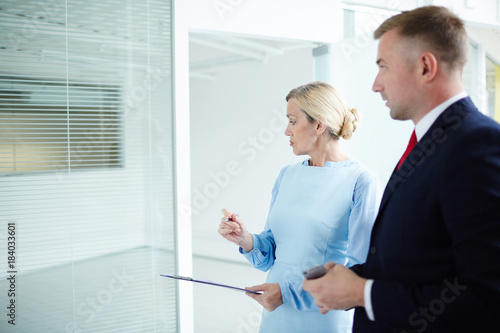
[86, 166]
[41, 131]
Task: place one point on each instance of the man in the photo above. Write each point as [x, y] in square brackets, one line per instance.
[434, 258]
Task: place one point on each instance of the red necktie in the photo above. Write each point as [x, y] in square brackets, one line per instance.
[411, 144]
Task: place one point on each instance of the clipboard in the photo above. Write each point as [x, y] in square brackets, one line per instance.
[186, 278]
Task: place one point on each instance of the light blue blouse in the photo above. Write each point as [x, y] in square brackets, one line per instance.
[317, 215]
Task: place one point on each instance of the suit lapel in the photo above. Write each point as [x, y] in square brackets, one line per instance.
[414, 159]
[450, 119]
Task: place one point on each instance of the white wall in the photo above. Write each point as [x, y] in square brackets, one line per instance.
[316, 20]
[288, 19]
[482, 12]
[238, 144]
[237, 140]
[257, 18]
[379, 141]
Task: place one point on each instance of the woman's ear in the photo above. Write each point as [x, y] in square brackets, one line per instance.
[320, 128]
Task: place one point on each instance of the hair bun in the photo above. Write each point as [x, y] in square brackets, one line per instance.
[351, 122]
[320, 101]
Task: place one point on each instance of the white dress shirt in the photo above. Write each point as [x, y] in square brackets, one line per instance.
[420, 129]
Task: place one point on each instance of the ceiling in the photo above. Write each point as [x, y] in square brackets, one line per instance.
[210, 52]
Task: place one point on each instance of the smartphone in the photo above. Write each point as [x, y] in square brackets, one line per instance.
[314, 272]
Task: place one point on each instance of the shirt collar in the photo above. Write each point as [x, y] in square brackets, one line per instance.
[331, 164]
[426, 122]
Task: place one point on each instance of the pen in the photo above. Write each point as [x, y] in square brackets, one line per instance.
[229, 219]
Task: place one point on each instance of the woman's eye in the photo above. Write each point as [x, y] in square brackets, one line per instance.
[292, 122]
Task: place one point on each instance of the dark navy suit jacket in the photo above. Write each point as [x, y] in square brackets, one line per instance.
[435, 246]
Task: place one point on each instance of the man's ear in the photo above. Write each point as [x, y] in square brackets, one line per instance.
[428, 66]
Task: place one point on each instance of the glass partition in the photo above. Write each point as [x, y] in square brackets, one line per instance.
[86, 167]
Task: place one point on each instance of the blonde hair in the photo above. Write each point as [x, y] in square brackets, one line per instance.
[322, 102]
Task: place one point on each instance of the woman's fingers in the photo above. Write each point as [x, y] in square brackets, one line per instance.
[230, 219]
[232, 225]
[259, 287]
[226, 213]
[229, 227]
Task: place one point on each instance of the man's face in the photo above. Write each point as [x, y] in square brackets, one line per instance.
[396, 78]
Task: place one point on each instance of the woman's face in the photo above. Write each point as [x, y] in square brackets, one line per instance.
[302, 133]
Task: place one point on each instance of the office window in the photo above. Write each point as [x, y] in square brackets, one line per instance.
[86, 166]
[493, 88]
[53, 126]
[365, 18]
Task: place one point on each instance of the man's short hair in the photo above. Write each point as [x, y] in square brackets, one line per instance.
[437, 27]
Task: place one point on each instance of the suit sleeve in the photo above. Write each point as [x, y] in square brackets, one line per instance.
[358, 269]
[469, 199]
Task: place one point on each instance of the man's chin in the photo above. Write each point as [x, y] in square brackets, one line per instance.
[397, 115]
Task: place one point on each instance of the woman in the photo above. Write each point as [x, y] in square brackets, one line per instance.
[322, 210]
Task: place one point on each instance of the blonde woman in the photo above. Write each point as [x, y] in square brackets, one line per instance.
[322, 210]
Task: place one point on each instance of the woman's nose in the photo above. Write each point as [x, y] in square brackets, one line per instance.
[288, 132]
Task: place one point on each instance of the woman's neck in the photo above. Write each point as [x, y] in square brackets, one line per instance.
[329, 151]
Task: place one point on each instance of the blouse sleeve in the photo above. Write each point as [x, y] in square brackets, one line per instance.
[293, 294]
[364, 209]
[263, 253]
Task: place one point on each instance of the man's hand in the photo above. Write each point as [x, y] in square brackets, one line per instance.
[338, 289]
[270, 299]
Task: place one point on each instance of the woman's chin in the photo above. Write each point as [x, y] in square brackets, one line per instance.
[298, 153]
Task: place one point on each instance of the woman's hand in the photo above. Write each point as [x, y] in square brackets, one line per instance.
[270, 298]
[233, 229]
